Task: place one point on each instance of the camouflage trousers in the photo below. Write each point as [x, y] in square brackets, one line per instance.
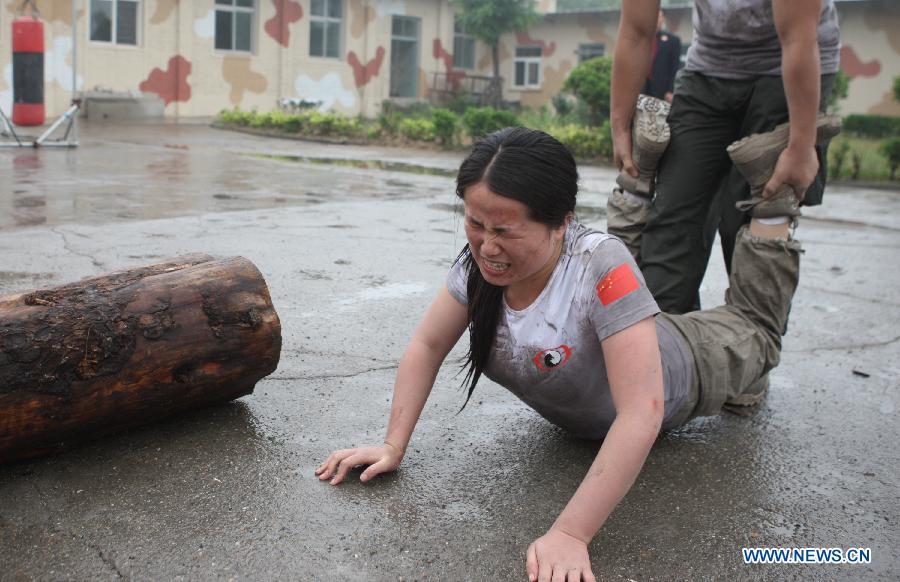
[736, 344]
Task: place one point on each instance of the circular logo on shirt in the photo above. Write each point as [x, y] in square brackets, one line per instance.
[552, 358]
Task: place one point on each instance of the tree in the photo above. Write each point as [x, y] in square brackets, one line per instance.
[488, 20]
[896, 88]
[590, 82]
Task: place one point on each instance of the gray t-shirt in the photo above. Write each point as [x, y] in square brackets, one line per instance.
[737, 39]
[549, 353]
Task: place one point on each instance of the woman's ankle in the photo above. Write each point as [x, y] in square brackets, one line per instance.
[764, 228]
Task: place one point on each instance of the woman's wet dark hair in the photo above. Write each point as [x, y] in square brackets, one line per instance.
[535, 169]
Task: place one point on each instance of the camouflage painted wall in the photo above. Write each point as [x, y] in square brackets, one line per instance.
[175, 57]
[560, 37]
[870, 55]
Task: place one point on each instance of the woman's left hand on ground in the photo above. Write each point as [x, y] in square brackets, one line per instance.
[380, 459]
[558, 557]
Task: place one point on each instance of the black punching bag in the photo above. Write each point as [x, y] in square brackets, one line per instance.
[28, 71]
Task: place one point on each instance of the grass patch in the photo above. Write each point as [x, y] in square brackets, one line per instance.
[858, 158]
[424, 124]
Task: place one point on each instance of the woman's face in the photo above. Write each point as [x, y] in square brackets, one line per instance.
[510, 249]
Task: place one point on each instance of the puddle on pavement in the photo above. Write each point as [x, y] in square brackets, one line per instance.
[698, 430]
[362, 164]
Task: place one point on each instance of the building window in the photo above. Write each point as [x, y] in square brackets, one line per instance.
[404, 56]
[115, 21]
[590, 51]
[463, 47]
[528, 66]
[234, 25]
[325, 28]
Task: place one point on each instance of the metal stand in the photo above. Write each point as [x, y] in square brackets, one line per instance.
[66, 141]
[7, 130]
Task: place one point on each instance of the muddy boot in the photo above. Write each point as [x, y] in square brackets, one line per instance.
[649, 138]
[748, 402]
[755, 157]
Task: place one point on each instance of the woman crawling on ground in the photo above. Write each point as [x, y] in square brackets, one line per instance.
[560, 315]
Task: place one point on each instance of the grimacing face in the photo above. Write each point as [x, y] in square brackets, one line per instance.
[510, 248]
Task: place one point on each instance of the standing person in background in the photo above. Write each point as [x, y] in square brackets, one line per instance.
[666, 62]
[752, 65]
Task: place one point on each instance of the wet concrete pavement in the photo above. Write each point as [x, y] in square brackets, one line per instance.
[352, 256]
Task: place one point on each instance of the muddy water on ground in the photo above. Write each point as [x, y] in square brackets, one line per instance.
[156, 172]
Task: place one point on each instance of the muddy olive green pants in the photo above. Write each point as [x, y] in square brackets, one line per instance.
[696, 185]
[734, 345]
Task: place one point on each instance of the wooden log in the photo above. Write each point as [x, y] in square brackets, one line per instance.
[124, 349]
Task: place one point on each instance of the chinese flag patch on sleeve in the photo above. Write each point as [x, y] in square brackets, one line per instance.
[617, 284]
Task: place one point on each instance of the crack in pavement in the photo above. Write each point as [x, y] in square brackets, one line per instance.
[57, 527]
[329, 376]
[844, 347]
[68, 247]
[110, 563]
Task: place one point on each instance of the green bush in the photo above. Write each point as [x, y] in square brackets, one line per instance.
[563, 104]
[417, 129]
[856, 160]
[318, 123]
[273, 119]
[541, 118]
[838, 157]
[236, 117]
[584, 141]
[480, 121]
[460, 102]
[293, 124]
[388, 122]
[261, 120]
[331, 124]
[445, 122]
[872, 125]
[590, 82]
[373, 132]
[891, 150]
[839, 92]
[896, 88]
[606, 145]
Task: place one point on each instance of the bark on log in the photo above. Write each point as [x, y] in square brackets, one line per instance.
[124, 349]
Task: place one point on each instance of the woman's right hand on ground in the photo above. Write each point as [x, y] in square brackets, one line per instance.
[380, 459]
